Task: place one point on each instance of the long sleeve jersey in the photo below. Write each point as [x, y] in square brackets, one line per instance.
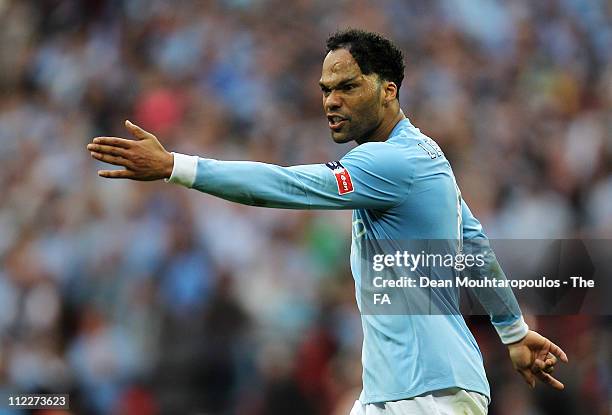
[400, 189]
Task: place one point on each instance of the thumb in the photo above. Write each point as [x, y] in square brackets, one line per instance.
[136, 131]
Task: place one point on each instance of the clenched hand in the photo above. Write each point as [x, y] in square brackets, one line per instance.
[143, 158]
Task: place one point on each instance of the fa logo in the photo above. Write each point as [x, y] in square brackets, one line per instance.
[343, 177]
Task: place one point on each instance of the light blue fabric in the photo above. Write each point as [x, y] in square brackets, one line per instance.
[403, 189]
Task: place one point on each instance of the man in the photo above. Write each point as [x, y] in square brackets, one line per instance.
[400, 186]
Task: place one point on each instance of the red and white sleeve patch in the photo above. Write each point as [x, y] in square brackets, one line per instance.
[343, 177]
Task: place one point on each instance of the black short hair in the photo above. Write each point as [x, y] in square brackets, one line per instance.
[372, 52]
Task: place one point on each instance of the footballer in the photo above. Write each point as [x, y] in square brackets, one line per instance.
[400, 186]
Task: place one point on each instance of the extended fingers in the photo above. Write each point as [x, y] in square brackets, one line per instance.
[530, 378]
[116, 174]
[111, 150]
[543, 369]
[107, 158]
[556, 350]
[114, 141]
[548, 379]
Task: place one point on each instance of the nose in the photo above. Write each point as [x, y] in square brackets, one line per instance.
[332, 101]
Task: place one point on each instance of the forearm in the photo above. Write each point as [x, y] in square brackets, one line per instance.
[260, 184]
[499, 302]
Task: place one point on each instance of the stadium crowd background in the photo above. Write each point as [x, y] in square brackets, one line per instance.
[143, 298]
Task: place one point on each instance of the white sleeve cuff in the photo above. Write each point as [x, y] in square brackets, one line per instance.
[184, 170]
[512, 333]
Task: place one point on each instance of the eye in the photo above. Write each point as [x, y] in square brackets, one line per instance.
[325, 90]
[348, 87]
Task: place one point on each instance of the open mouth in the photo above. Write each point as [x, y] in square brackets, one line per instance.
[336, 122]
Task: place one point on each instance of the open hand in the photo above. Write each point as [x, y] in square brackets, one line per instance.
[143, 158]
[535, 357]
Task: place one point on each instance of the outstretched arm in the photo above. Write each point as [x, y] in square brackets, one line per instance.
[360, 180]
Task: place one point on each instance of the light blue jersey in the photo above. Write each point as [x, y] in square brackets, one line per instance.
[400, 189]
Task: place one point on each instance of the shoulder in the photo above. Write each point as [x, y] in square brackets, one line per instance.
[381, 159]
[375, 152]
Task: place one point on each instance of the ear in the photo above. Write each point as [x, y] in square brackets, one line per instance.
[390, 92]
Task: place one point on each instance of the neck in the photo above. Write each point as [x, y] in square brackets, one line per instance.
[382, 132]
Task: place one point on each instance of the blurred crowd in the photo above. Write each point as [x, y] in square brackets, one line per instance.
[147, 298]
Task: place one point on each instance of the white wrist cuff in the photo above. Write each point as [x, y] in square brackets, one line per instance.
[512, 333]
[184, 170]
